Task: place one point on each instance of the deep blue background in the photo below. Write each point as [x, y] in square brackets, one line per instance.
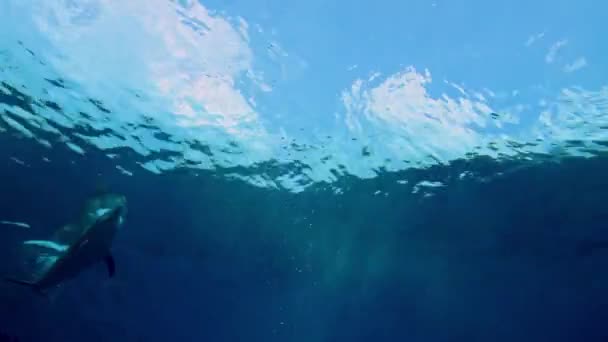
[520, 257]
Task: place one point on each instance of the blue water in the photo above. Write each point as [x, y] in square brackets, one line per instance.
[319, 172]
[518, 257]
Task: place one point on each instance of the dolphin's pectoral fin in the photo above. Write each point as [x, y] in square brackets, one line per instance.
[110, 264]
[29, 284]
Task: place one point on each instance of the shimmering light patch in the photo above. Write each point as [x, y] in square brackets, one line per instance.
[16, 224]
[578, 121]
[401, 106]
[426, 184]
[75, 148]
[17, 126]
[578, 64]
[124, 171]
[18, 161]
[554, 49]
[534, 38]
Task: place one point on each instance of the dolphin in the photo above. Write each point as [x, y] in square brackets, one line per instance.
[79, 245]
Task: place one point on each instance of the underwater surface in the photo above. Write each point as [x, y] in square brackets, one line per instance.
[314, 171]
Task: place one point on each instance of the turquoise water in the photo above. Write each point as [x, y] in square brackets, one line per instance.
[342, 171]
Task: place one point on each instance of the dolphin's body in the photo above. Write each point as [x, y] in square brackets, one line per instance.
[79, 245]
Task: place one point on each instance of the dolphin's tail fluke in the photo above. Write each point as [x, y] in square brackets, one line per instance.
[20, 282]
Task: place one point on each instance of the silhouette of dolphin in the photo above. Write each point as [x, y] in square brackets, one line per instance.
[79, 245]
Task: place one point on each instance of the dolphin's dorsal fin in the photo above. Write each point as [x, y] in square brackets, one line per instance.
[110, 264]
